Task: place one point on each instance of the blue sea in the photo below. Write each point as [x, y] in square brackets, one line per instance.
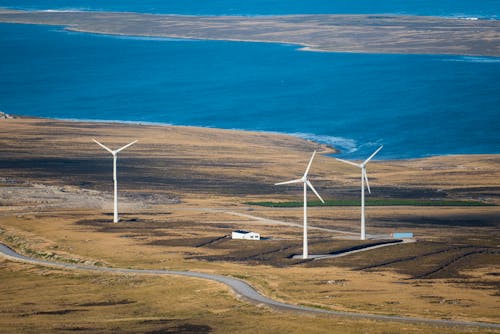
[486, 9]
[416, 105]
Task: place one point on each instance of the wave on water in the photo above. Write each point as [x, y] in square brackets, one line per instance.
[347, 145]
[65, 10]
[471, 18]
[474, 59]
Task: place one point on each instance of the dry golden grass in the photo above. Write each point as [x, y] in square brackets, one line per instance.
[42, 300]
[182, 186]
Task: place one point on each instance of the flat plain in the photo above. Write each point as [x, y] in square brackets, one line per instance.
[183, 190]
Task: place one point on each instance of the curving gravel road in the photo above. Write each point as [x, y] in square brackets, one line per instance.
[241, 288]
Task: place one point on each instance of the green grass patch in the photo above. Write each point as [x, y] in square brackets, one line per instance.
[373, 202]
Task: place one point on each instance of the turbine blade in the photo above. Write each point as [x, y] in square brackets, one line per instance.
[348, 162]
[289, 182]
[367, 184]
[309, 165]
[314, 191]
[124, 147]
[104, 147]
[373, 154]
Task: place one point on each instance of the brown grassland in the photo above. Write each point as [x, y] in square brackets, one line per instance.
[183, 190]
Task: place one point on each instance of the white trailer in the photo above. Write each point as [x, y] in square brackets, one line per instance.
[246, 235]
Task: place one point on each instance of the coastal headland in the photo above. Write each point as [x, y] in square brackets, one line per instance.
[334, 33]
[184, 189]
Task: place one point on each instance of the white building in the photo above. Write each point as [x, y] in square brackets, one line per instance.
[247, 235]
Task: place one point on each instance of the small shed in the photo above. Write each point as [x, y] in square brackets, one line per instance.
[402, 235]
[246, 235]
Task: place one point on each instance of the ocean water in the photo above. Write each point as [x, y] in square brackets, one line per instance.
[486, 9]
[416, 105]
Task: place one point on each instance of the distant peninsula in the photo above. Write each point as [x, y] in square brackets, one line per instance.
[330, 33]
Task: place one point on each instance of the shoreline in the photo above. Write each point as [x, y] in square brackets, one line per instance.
[346, 146]
[303, 47]
[332, 149]
[329, 149]
[223, 162]
[299, 47]
[82, 9]
[384, 34]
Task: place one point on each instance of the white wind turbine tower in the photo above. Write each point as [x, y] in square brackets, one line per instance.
[115, 153]
[306, 183]
[364, 178]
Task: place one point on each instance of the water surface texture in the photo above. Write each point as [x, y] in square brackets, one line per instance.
[416, 105]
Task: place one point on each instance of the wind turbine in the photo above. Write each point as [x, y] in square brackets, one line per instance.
[114, 153]
[364, 178]
[306, 183]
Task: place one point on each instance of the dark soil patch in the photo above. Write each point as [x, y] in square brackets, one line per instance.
[411, 193]
[462, 220]
[466, 260]
[422, 260]
[188, 242]
[372, 244]
[278, 253]
[94, 222]
[492, 191]
[76, 329]
[212, 241]
[271, 252]
[184, 328]
[138, 174]
[399, 193]
[56, 312]
[109, 303]
[409, 258]
[135, 226]
[156, 321]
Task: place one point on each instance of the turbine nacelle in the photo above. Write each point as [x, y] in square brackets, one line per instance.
[304, 179]
[114, 152]
[363, 166]
[364, 178]
[115, 180]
